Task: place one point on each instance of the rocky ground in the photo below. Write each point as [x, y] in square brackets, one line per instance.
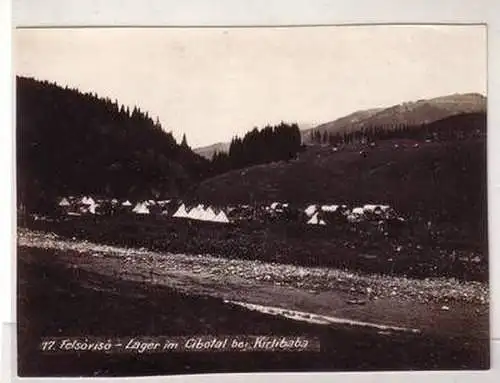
[77, 290]
[409, 251]
[312, 279]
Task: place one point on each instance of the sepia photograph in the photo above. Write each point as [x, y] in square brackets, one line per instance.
[198, 200]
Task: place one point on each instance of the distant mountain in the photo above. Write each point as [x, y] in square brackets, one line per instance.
[69, 142]
[408, 113]
[209, 151]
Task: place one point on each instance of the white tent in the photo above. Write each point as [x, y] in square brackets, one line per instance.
[210, 211]
[358, 211]
[372, 208]
[352, 218]
[369, 208]
[127, 203]
[92, 208]
[315, 220]
[64, 202]
[209, 214]
[310, 210]
[330, 208]
[181, 212]
[221, 217]
[141, 208]
[195, 212]
[201, 214]
[88, 201]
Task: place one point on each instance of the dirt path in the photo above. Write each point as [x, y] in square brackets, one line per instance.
[440, 306]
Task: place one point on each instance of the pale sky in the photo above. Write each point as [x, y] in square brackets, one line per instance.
[213, 83]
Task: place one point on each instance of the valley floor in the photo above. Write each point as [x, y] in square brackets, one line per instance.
[445, 317]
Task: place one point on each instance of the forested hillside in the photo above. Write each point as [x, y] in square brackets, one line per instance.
[70, 142]
[273, 143]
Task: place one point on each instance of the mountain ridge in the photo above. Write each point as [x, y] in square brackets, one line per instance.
[208, 151]
[430, 110]
[423, 111]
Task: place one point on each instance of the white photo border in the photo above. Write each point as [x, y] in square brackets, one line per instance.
[257, 13]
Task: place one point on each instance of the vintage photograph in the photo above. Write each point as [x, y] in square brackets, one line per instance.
[271, 199]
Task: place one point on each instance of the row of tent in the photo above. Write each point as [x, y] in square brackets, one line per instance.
[356, 214]
[88, 201]
[76, 206]
[315, 213]
[201, 213]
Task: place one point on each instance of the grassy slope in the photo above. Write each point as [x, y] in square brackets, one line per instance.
[444, 180]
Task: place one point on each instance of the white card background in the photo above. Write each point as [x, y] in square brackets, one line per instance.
[253, 13]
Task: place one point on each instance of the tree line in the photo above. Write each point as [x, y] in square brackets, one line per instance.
[69, 142]
[457, 127]
[272, 143]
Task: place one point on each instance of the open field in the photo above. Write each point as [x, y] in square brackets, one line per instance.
[64, 293]
[408, 251]
[198, 273]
